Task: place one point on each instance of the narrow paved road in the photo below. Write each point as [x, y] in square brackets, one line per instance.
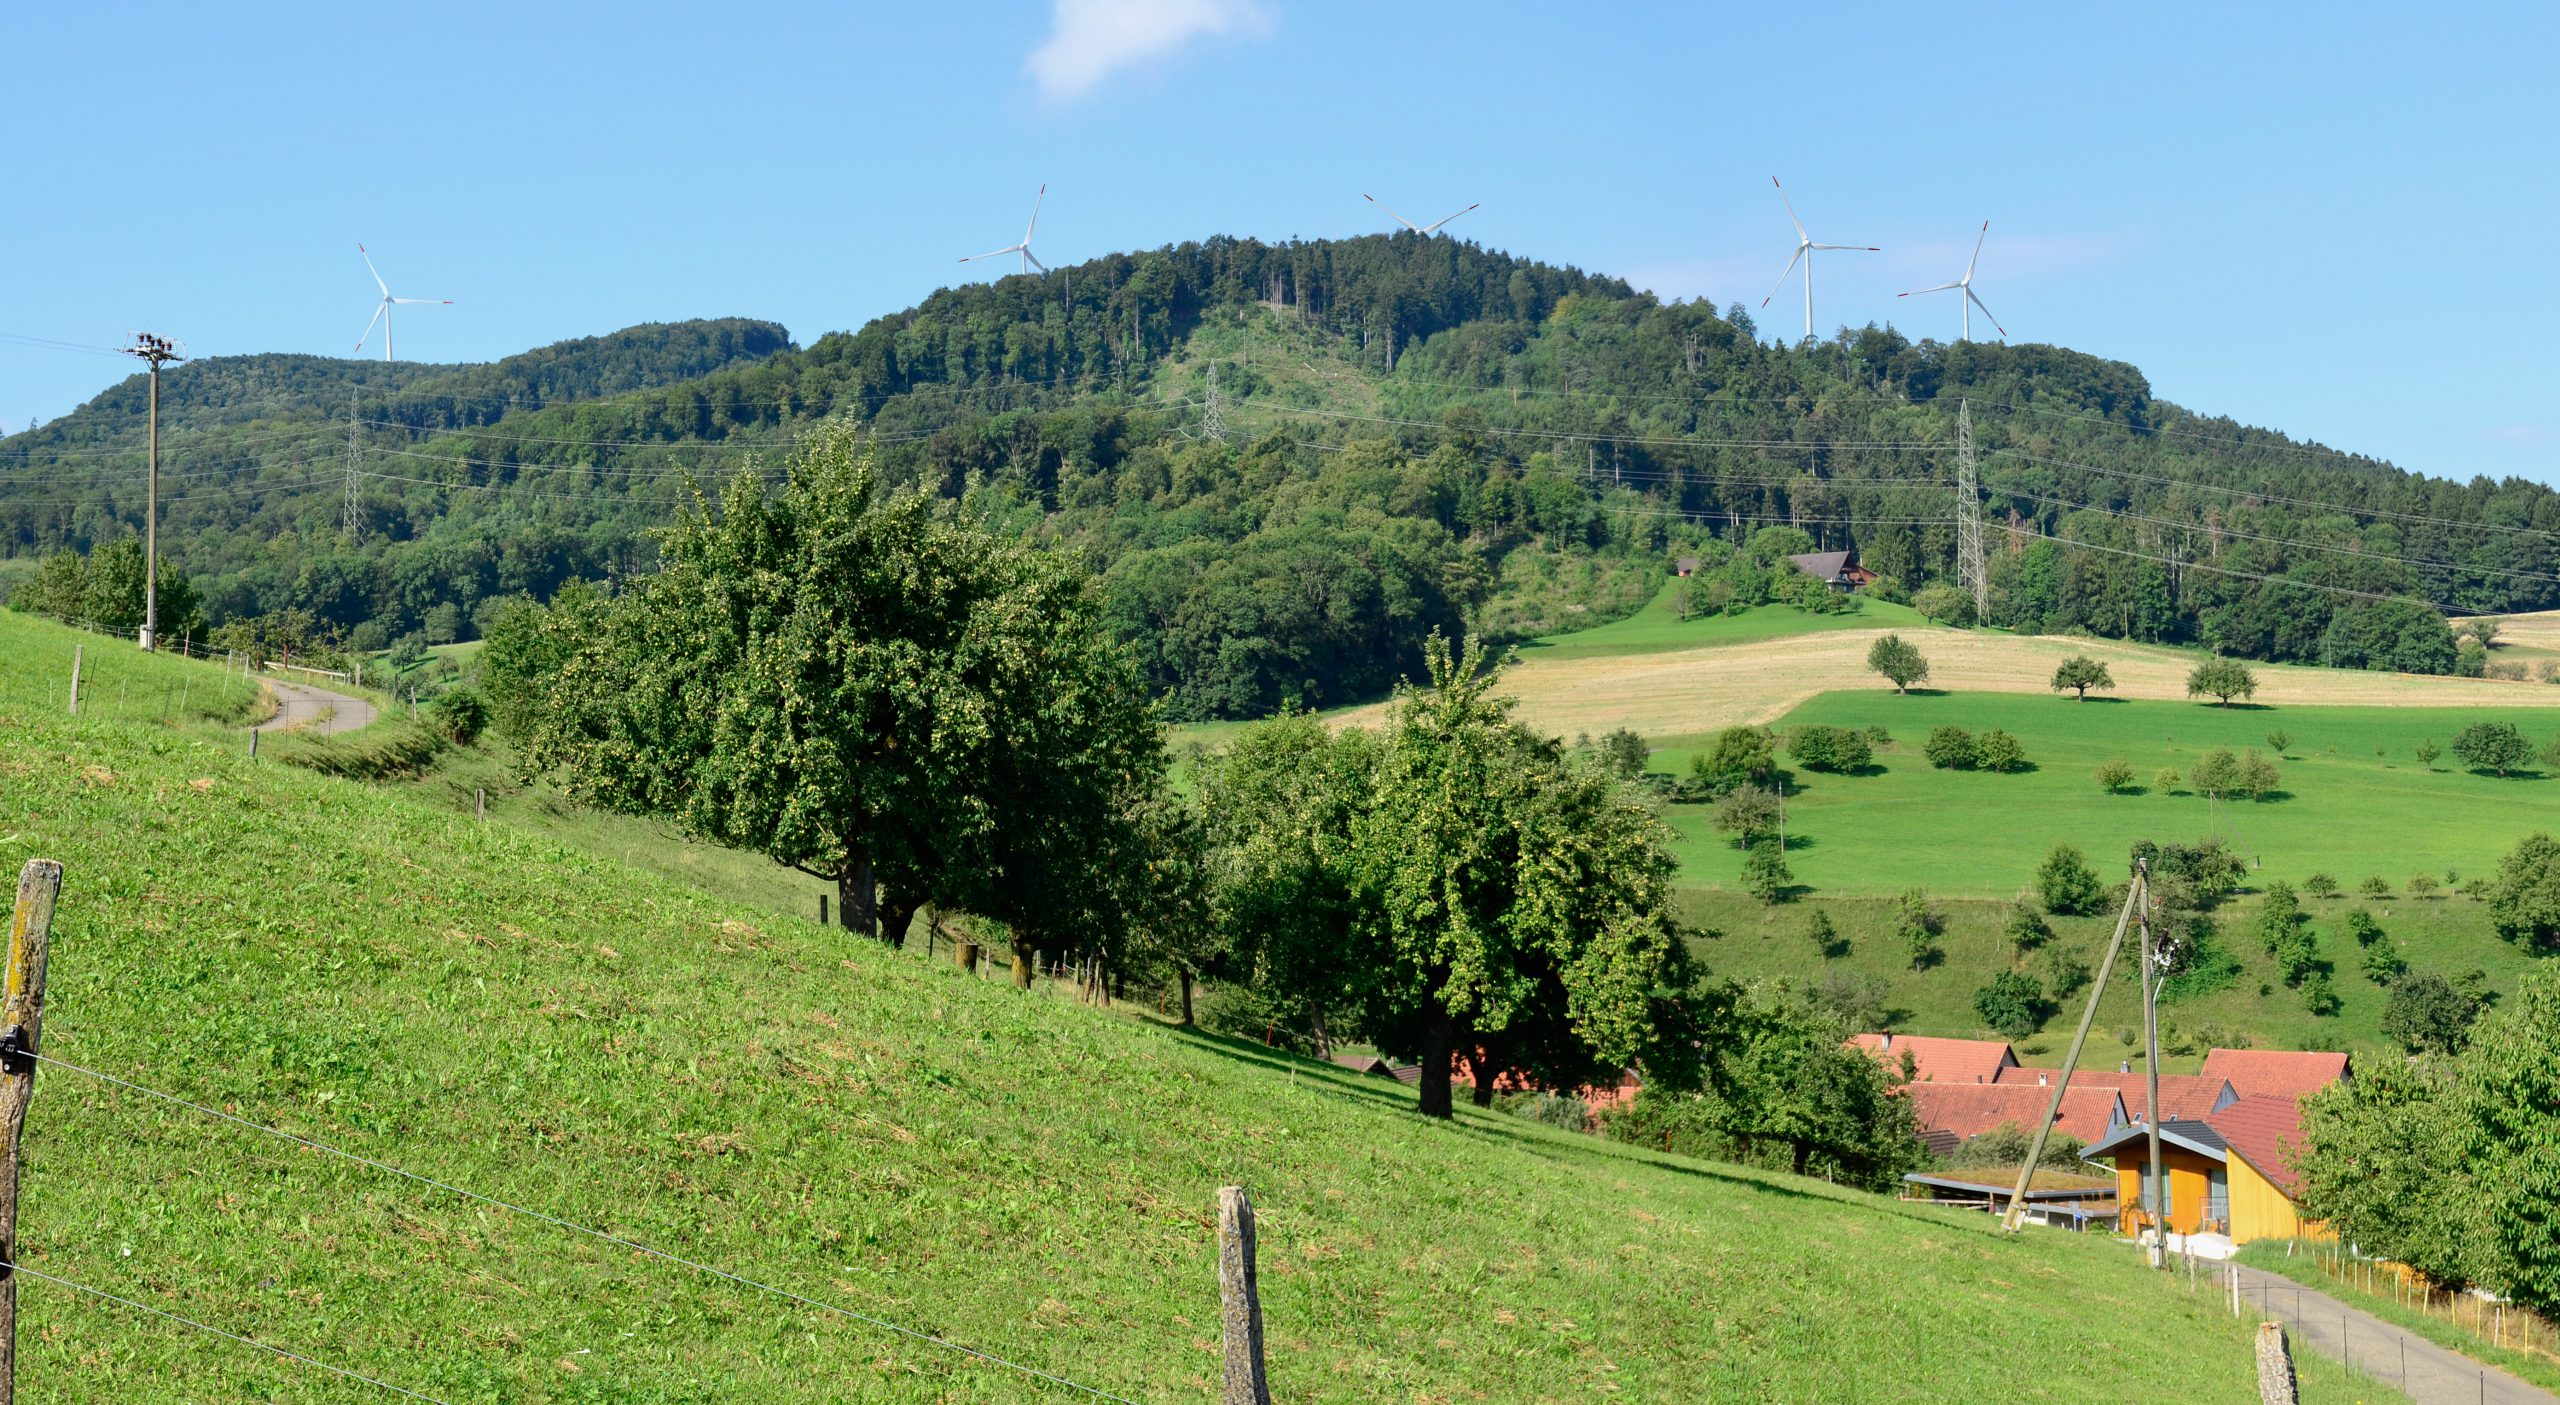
[300, 706]
[2430, 1374]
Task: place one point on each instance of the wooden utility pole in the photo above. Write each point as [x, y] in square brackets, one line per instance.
[1239, 1301]
[2156, 1198]
[2133, 899]
[21, 1019]
[154, 351]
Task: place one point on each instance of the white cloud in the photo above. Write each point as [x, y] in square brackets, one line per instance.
[1089, 40]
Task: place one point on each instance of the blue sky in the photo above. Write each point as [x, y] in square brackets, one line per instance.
[2331, 219]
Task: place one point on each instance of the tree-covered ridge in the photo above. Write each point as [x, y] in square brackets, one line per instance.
[1416, 432]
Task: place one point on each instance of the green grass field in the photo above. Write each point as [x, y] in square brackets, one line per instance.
[573, 1033]
[1658, 628]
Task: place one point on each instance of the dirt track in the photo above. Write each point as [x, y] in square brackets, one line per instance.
[303, 708]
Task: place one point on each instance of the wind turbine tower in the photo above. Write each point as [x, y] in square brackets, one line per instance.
[382, 309]
[1424, 230]
[1024, 248]
[1805, 250]
[1964, 285]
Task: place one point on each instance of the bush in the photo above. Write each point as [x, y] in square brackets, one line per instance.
[2007, 1145]
[1824, 935]
[2383, 964]
[1949, 748]
[2115, 777]
[2012, 1005]
[2320, 885]
[1550, 1109]
[461, 715]
[1749, 814]
[2026, 927]
[2428, 751]
[1879, 738]
[1765, 873]
[2166, 781]
[2278, 740]
[2375, 887]
[1624, 752]
[1739, 756]
[2067, 884]
[2524, 899]
[1944, 604]
[2318, 997]
[2066, 972]
[2422, 885]
[1918, 925]
[2428, 1014]
[2362, 927]
[1836, 749]
[1996, 750]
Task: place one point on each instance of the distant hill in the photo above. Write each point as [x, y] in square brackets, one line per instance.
[1408, 434]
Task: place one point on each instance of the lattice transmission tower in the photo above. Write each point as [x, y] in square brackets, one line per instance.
[1972, 572]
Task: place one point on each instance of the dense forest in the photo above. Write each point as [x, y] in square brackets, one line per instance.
[1291, 462]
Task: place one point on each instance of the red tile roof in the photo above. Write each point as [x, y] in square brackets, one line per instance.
[2268, 1131]
[1940, 1060]
[2257, 1073]
[2188, 1096]
[1971, 1109]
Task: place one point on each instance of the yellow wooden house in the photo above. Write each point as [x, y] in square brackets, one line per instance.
[2231, 1173]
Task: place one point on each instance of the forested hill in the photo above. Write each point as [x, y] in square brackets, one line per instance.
[1404, 433]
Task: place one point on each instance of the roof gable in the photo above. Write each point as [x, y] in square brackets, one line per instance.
[1968, 1110]
[2254, 1073]
[1935, 1060]
[2191, 1096]
[2268, 1132]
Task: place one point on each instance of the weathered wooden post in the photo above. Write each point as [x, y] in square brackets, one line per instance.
[21, 1020]
[822, 909]
[964, 954]
[76, 651]
[1239, 1301]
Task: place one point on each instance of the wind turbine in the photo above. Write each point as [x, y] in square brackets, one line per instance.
[1964, 285]
[1024, 248]
[382, 309]
[1421, 229]
[1805, 248]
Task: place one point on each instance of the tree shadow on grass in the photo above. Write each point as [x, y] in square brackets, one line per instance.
[2111, 702]
[2272, 797]
[1925, 693]
[2239, 706]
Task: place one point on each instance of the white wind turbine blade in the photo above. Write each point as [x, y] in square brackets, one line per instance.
[1801, 236]
[1034, 259]
[995, 253]
[378, 309]
[1783, 277]
[1938, 289]
[1977, 253]
[1986, 311]
[1849, 248]
[1391, 213]
[369, 268]
[1430, 227]
[425, 302]
[1035, 214]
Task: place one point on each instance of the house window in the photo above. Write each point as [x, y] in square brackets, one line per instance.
[2217, 1196]
[2152, 1194]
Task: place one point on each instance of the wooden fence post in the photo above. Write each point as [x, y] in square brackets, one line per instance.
[21, 1020]
[253, 743]
[1239, 1301]
[822, 909]
[965, 956]
[2275, 1367]
[76, 650]
[479, 803]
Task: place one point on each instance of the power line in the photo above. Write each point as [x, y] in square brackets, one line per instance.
[2227, 531]
[375, 1382]
[2275, 497]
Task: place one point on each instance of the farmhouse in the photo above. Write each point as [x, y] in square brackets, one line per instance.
[1935, 1060]
[2280, 1073]
[1837, 569]
[1951, 1114]
[1685, 566]
[2231, 1173]
[2191, 1096]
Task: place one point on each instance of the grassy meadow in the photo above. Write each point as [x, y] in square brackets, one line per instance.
[569, 1031]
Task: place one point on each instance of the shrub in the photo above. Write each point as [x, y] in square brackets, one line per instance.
[1949, 748]
[1749, 814]
[1853, 1000]
[2320, 885]
[2115, 777]
[2375, 887]
[1550, 1109]
[2198, 964]
[2067, 884]
[1836, 749]
[2524, 899]
[1625, 753]
[2493, 746]
[1877, 737]
[2470, 659]
[1824, 935]
[2066, 973]
[2008, 1144]
[1918, 925]
[2167, 781]
[2318, 996]
[1765, 873]
[1739, 756]
[2362, 927]
[2026, 927]
[2383, 964]
[1996, 750]
[1944, 604]
[2422, 884]
[2278, 740]
[2428, 751]
[2012, 1005]
[461, 715]
[2428, 1014]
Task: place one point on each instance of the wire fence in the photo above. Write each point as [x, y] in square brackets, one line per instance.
[2371, 1348]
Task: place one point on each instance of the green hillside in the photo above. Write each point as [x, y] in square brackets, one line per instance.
[1403, 434]
[744, 1088]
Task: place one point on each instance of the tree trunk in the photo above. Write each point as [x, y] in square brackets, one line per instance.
[1803, 1154]
[896, 916]
[1185, 977]
[857, 894]
[1485, 1074]
[1437, 1039]
[1024, 958]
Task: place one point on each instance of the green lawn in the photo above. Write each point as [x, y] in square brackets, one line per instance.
[1658, 628]
[575, 1033]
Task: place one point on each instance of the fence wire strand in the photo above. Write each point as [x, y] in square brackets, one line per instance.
[614, 1239]
[101, 1293]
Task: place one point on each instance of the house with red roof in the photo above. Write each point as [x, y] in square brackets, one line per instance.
[2187, 1096]
[1951, 1114]
[2234, 1172]
[1935, 1060]
[2279, 1073]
